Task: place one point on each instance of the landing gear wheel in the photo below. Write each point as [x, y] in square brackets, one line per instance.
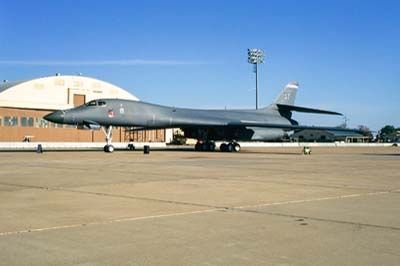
[205, 146]
[230, 147]
[236, 147]
[108, 132]
[223, 147]
[109, 148]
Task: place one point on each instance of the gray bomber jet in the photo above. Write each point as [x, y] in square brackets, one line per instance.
[207, 126]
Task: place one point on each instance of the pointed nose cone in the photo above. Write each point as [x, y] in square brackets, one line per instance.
[55, 117]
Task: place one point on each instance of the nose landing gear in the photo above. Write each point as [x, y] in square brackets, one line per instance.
[109, 148]
[108, 132]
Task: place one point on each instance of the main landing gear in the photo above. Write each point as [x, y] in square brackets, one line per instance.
[204, 146]
[108, 132]
[210, 146]
[230, 147]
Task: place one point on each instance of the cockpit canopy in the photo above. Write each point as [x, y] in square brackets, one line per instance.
[96, 103]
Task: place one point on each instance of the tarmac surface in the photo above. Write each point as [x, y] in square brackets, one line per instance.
[262, 206]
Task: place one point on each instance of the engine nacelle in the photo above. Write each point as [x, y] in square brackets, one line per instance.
[262, 133]
[239, 134]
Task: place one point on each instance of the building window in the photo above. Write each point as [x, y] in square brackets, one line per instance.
[10, 121]
[26, 121]
[55, 125]
[1, 121]
[41, 123]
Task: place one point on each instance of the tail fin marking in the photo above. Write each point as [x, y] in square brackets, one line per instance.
[288, 95]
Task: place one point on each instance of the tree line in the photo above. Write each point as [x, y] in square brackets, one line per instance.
[388, 133]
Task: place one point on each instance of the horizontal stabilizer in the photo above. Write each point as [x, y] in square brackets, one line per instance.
[285, 107]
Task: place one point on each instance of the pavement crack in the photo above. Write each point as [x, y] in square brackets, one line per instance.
[317, 219]
[138, 198]
[114, 195]
[24, 186]
[213, 208]
[298, 184]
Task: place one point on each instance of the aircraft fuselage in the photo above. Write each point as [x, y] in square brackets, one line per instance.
[200, 124]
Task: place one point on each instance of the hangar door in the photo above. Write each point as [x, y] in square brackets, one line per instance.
[79, 99]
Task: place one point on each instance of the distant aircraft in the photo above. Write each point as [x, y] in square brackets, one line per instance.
[207, 126]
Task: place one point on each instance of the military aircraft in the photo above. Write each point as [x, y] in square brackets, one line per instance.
[207, 126]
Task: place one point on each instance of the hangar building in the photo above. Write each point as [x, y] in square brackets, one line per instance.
[307, 135]
[24, 103]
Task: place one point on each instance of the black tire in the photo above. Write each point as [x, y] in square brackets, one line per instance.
[230, 147]
[111, 148]
[223, 147]
[236, 147]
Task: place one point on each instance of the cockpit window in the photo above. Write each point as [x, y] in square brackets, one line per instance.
[101, 103]
[96, 103]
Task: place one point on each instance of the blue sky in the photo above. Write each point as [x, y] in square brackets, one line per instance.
[345, 54]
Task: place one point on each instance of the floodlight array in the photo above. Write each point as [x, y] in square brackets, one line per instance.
[255, 56]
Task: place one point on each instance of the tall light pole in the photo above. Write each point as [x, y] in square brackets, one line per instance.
[255, 57]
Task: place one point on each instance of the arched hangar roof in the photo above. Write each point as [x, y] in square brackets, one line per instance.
[57, 92]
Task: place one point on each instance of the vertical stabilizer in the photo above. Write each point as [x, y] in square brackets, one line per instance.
[288, 95]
